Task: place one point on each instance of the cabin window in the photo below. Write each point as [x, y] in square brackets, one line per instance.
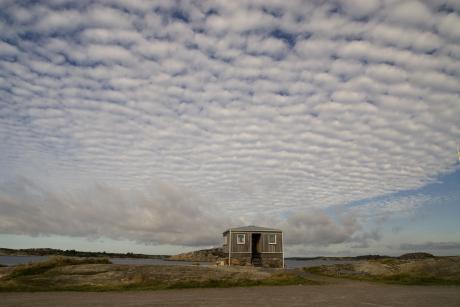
[225, 240]
[271, 239]
[240, 239]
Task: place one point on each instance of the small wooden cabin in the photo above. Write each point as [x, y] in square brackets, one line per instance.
[253, 245]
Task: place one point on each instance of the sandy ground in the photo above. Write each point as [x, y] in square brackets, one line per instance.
[340, 293]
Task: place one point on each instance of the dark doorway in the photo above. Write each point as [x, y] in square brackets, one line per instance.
[255, 252]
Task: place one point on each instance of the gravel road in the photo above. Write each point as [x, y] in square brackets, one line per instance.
[349, 293]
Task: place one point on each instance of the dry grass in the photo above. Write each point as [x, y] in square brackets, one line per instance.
[440, 271]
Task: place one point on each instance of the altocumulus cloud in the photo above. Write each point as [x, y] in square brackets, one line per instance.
[197, 115]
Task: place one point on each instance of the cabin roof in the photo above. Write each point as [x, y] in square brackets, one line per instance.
[252, 229]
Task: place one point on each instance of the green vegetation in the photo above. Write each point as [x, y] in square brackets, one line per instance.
[276, 280]
[97, 274]
[425, 271]
[407, 279]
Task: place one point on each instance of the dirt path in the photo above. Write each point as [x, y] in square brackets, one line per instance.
[349, 293]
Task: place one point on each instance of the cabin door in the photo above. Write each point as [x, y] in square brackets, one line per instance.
[255, 252]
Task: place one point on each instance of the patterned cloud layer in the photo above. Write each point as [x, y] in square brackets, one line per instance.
[276, 109]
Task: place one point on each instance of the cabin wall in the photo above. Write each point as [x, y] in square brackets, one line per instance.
[265, 247]
[238, 248]
[241, 248]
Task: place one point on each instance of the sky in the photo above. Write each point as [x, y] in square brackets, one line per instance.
[153, 126]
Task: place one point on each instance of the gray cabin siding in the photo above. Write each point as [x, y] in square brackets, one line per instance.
[263, 246]
[271, 248]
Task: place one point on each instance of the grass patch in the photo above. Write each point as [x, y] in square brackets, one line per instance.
[388, 261]
[34, 268]
[405, 279]
[49, 276]
[395, 271]
[275, 280]
[314, 270]
[211, 283]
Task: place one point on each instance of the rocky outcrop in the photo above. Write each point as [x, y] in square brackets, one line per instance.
[204, 255]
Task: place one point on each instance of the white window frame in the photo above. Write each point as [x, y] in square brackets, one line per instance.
[226, 240]
[269, 236]
[238, 236]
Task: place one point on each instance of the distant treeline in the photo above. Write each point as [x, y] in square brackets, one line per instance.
[72, 253]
